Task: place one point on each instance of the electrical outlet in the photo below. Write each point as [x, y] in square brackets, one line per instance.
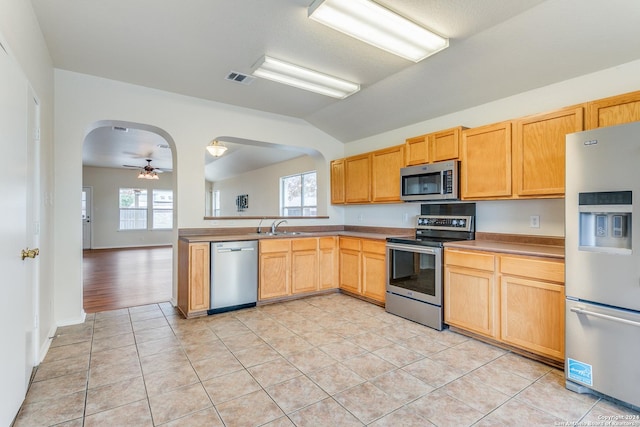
[360, 217]
[534, 221]
[405, 217]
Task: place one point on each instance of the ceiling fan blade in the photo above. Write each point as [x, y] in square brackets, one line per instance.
[131, 166]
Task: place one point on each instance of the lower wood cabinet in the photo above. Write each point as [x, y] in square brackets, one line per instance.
[328, 262]
[518, 300]
[470, 292]
[275, 268]
[532, 304]
[297, 266]
[363, 267]
[193, 277]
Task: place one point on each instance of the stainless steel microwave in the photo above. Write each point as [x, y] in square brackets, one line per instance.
[435, 181]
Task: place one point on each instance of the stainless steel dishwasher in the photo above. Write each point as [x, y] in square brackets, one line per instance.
[234, 275]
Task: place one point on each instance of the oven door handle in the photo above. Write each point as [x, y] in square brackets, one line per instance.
[414, 248]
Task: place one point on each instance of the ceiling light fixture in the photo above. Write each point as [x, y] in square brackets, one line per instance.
[372, 23]
[148, 175]
[215, 148]
[303, 78]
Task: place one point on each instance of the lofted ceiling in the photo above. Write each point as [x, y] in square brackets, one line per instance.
[497, 48]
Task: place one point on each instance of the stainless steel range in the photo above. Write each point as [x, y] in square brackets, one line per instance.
[414, 265]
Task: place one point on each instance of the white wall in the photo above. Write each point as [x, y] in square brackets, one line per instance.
[263, 188]
[191, 123]
[105, 184]
[501, 216]
[23, 39]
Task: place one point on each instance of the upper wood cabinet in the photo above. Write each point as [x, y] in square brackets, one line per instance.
[337, 181]
[486, 162]
[385, 174]
[539, 152]
[357, 178]
[615, 110]
[433, 147]
[417, 150]
[445, 145]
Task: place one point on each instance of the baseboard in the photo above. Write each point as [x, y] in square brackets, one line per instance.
[44, 347]
[74, 321]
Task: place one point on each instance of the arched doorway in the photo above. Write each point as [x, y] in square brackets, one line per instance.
[129, 173]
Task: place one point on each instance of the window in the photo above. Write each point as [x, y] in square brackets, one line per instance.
[136, 214]
[133, 209]
[216, 203]
[162, 217]
[298, 195]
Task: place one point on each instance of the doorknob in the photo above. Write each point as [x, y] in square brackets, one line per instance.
[30, 253]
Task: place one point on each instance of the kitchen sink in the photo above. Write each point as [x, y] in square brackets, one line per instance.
[280, 233]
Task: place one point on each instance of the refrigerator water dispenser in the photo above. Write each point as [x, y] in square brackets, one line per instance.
[605, 222]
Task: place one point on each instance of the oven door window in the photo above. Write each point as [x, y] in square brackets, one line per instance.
[415, 274]
[420, 185]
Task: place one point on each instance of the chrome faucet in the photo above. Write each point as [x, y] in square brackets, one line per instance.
[274, 226]
[260, 225]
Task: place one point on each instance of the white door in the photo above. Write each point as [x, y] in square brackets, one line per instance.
[13, 229]
[33, 235]
[86, 217]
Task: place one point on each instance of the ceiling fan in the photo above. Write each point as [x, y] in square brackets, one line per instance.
[148, 168]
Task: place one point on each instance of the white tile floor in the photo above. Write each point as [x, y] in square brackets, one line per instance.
[324, 361]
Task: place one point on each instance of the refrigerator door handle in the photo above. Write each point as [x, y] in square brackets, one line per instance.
[580, 310]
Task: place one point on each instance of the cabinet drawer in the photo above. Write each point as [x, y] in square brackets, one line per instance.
[327, 242]
[374, 246]
[275, 245]
[350, 243]
[543, 269]
[309, 244]
[477, 260]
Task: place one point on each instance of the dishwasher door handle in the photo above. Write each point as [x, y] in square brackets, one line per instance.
[580, 310]
[221, 250]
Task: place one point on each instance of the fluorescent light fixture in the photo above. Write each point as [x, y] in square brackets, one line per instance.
[303, 78]
[371, 23]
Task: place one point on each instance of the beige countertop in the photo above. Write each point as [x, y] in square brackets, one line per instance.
[509, 248]
[288, 235]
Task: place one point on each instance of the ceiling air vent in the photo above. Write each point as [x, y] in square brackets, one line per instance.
[237, 77]
[120, 128]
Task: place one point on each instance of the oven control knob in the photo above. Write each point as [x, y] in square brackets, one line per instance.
[462, 223]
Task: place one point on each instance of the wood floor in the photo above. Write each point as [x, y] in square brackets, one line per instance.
[119, 278]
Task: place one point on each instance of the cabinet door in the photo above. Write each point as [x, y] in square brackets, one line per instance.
[417, 150]
[275, 274]
[615, 110]
[385, 174]
[470, 300]
[539, 152]
[328, 263]
[357, 179]
[337, 182]
[445, 145]
[486, 162]
[532, 314]
[350, 265]
[199, 276]
[374, 270]
[304, 265]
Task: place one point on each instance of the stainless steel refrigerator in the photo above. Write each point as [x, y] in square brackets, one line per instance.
[602, 250]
